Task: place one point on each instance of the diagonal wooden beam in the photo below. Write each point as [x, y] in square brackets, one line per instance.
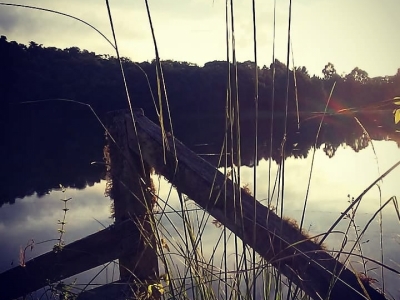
[310, 267]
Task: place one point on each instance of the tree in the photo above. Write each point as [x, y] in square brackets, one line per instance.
[302, 70]
[73, 51]
[358, 75]
[329, 71]
[280, 68]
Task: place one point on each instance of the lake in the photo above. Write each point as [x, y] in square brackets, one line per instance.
[334, 182]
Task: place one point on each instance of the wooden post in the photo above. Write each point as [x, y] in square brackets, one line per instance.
[132, 190]
[279, 242]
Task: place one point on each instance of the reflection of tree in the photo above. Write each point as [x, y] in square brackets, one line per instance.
[50, 143]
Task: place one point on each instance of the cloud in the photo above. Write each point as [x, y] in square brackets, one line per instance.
[9, 19]
[340, 31]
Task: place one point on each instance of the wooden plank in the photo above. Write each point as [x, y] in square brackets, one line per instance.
[133, 194]
[118, 290]
[79, 256]
[276, 240]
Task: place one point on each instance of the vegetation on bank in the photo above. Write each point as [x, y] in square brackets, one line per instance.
[95, 79]
[45, 137]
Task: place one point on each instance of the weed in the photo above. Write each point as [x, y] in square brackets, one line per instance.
[61, 243]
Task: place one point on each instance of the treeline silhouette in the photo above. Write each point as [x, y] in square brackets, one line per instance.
[48, 142]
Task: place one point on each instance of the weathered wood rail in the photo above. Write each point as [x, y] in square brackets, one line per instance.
[96, 249]
[276, 240]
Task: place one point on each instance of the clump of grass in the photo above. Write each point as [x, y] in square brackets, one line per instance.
[315, 239]
[61, 291]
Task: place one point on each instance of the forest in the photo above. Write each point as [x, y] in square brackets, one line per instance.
[51, 135]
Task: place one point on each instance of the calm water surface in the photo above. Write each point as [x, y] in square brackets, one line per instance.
[333, 180]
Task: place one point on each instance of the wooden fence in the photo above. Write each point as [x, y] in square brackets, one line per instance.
[141, 144]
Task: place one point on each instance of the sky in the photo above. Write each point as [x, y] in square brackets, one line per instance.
[348, 33]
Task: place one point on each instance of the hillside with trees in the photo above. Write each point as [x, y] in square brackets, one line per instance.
[49, 141]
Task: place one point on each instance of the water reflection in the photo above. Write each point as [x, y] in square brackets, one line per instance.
[333, 179]
[35, 218]
[55, 143]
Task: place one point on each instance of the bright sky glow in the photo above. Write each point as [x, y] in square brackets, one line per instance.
[357, 33]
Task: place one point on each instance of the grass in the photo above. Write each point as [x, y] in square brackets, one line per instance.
[229, 269]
